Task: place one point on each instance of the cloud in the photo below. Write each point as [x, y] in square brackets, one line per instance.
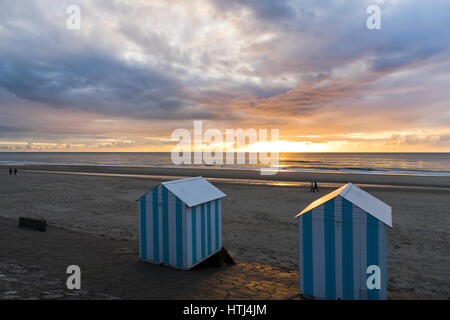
[419, 139]
[294, 64]
[264, 9]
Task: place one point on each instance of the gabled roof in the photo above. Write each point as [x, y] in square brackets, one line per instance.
[359, 198]
[194, 191]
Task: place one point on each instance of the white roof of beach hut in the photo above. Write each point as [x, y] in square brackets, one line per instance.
[359, 198]
[194, 191]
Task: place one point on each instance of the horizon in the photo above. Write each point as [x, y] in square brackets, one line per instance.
[307, 152]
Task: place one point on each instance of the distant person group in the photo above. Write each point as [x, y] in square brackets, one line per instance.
[314, 187]
[11, 171]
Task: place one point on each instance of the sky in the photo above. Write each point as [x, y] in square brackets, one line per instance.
[137, 70]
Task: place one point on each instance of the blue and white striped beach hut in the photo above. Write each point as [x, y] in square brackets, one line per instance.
[343, 246]
[181, 222]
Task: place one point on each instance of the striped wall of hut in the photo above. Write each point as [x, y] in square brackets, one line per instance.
[338, 242]
[171, 233]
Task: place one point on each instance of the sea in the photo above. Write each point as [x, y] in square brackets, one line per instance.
[375, 163]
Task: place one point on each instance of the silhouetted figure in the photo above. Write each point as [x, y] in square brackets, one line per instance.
[15, 171]
[316, 187]
[312, 187]
[10, 171]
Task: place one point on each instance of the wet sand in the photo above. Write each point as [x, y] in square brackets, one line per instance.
[258, 224]
[327, 177]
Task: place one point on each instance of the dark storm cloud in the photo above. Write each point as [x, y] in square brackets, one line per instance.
[98, 82]
[412, 31]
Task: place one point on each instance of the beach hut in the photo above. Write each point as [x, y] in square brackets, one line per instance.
[180, 222]
[343, 246]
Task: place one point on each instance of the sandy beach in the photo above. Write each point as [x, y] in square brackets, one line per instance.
[258, 223]
[33, 264]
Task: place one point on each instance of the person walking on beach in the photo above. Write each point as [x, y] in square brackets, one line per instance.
[316, 187]
[10, 171]
[15, 171]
